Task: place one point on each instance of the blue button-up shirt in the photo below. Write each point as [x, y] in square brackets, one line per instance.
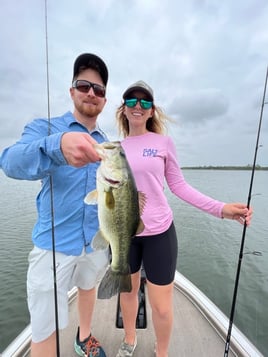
[38, 156]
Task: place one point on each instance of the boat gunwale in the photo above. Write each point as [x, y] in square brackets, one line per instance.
[240, 344]
[21, 345]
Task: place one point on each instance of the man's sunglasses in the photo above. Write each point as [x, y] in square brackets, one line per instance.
[132, 102]
[84, 86]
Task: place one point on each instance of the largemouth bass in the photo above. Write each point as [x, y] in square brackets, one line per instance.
[119, 210]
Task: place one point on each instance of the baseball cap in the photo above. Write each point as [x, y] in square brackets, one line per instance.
[142, 86]
[89, 60]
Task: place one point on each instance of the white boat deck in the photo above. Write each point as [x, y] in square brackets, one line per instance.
[192, 334]
[199, 329]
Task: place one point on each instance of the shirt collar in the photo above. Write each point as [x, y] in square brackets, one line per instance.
[70, 120]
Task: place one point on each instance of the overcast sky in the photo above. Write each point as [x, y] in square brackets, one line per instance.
[205, 59]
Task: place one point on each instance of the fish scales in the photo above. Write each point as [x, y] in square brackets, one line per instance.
[119, 216]
[119, 224]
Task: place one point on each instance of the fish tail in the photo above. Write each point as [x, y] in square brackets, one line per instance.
[114, 283]
[125, 284]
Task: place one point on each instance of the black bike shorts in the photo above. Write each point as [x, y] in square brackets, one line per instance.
[158, 254]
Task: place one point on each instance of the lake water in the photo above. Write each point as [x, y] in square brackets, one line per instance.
[208, 250]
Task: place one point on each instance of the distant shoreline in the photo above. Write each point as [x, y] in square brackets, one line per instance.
[248, 167]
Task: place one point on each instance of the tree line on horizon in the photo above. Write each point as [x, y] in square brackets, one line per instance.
[212, 167]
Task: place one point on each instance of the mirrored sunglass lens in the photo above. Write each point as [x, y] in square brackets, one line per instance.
[131, 102]
[146, 104]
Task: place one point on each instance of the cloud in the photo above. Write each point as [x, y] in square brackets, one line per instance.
[198, 106]
[206, 61]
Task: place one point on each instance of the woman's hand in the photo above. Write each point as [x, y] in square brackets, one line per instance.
[237, 211]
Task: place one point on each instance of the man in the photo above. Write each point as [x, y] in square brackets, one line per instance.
[60, 152]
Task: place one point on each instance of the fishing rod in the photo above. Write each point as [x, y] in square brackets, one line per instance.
[231, 318]
[51, 197]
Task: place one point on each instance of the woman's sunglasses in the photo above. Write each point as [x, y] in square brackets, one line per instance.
[84, 86]
[132, 102]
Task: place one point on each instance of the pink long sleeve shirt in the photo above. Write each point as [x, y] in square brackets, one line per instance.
[152, 158]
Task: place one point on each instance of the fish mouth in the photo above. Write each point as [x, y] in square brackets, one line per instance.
[112, 182]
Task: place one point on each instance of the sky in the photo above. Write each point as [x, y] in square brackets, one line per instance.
[206, 61]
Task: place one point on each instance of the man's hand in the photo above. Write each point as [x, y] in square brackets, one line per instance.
[78, 149]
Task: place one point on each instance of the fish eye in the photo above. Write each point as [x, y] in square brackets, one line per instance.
[122, 153]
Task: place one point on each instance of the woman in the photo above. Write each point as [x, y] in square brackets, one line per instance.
[152, 158]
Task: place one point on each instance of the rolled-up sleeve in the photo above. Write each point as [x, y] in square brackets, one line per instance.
[35, 155]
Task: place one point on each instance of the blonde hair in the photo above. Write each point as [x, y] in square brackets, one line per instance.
[156, 124]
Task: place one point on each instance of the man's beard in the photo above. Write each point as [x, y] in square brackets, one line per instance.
[90, 111]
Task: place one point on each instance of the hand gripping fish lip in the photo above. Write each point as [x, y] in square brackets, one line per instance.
[100, 148]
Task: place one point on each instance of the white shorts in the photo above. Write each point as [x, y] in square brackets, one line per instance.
[84, 271]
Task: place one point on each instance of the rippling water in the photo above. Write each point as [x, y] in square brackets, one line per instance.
[17, 216]
[208, 250]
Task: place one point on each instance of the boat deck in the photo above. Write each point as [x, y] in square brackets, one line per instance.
[192, 335]
[199, 329]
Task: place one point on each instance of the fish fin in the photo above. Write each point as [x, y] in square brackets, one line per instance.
[91, 198]
[140, 227]
[99, 242]
[109, 199]
[114, 283]
[125, 284]
[142, 201]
